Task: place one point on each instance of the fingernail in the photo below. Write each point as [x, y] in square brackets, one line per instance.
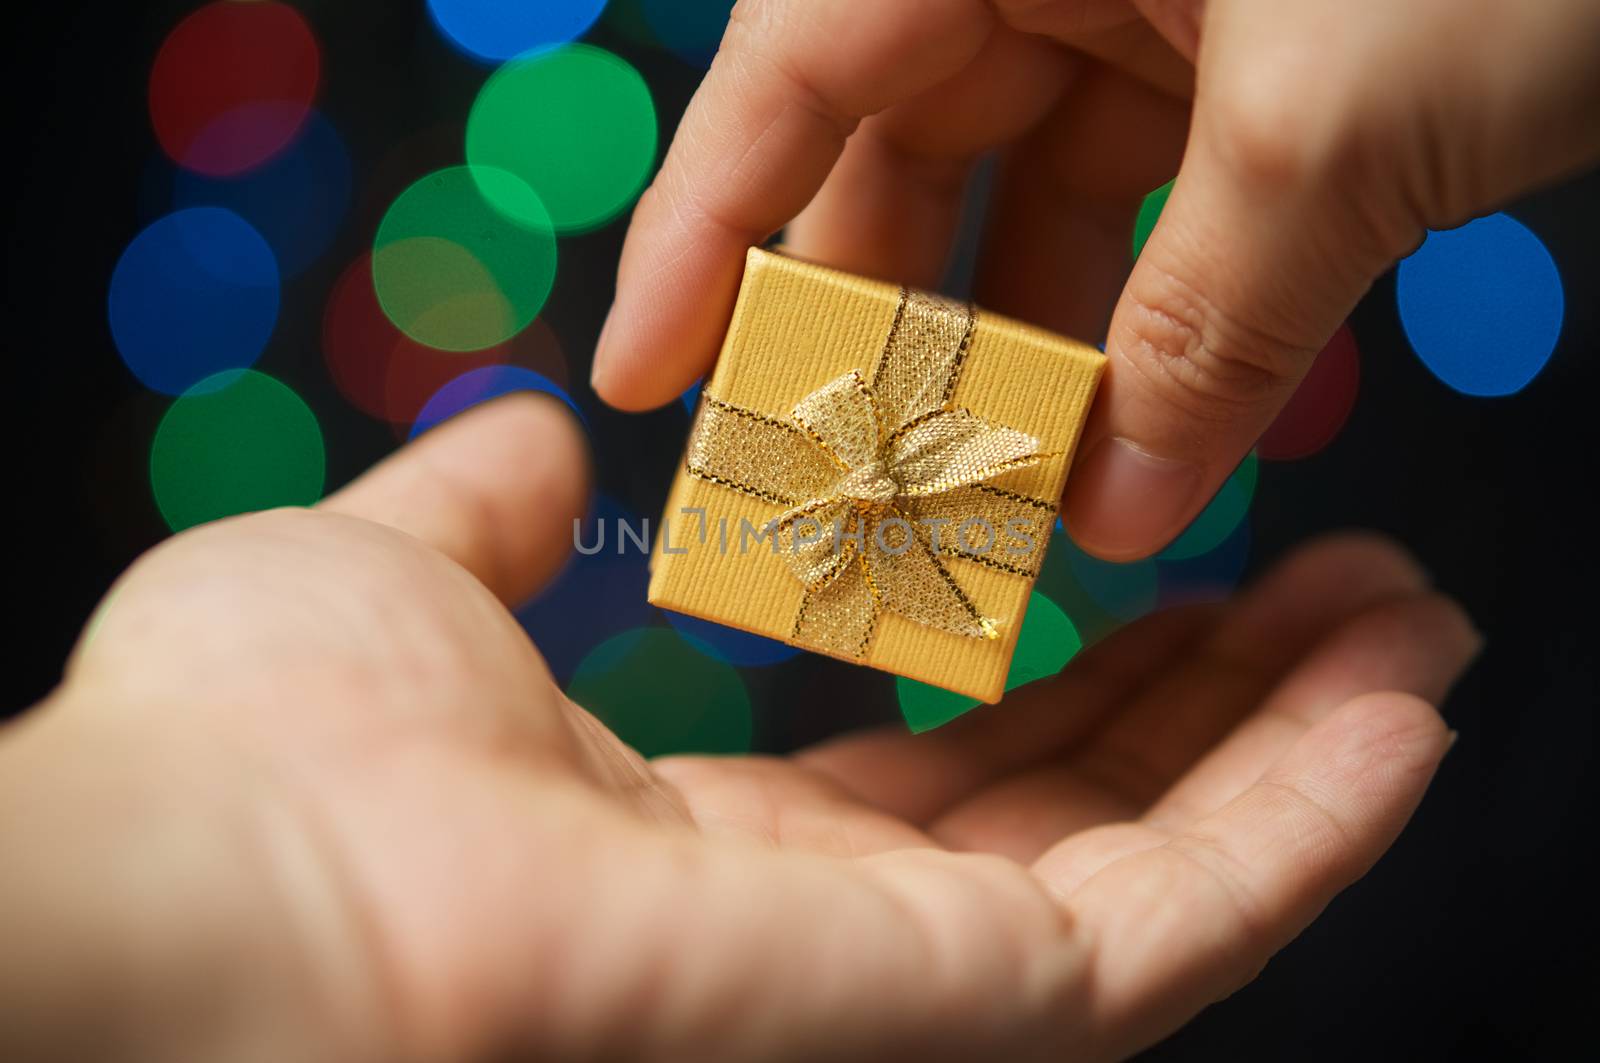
[1124, 502]
[1451, 739]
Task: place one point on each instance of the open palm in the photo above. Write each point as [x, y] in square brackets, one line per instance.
[457, 862]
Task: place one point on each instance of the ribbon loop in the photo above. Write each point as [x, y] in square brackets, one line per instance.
[759, 456]
[841, 417]
[952, 448]
[813, 541]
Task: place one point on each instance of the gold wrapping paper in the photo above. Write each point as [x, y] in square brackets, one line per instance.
[850, 438]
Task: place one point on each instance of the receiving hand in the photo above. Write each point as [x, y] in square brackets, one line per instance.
[307, 792]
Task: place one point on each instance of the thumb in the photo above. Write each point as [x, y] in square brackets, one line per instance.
[1254, 264]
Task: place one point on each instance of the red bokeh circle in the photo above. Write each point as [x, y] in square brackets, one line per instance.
[1320, 406]
[388, 375]
[233, 84]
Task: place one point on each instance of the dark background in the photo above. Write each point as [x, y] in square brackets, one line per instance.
[1475, 934]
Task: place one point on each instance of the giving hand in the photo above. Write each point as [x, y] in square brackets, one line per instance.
[1313, 143]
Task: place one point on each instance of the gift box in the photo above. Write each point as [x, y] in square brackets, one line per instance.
[873, 473]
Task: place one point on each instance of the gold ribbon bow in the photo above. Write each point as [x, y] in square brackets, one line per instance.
[879, 482]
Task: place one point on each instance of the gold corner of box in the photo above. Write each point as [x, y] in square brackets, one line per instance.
[759, 257]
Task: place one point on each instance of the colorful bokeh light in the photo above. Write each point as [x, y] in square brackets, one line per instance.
[194, 294]
[388, 375]
[1125, 591]
[234, 443]
[575, 124]
[595, 596]
[730, 644]
[233, 84]
[691, 398]
[625, 18]
[496, 30]
[1482, 305]
[379, 369]
[1320, 406]
[661, 697]
[1221, 515]
[1058, 583]
[297, 201]
[1048, 640]
[1149, 213]
[478, 386]
[691, 29]
[1208, 577]
[453, 271]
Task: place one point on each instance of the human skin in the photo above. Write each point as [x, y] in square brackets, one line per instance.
[1313, 141]
[306, 792]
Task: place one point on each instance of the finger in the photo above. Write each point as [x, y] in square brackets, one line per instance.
[1056, 246]
[911, 954]
[1417, 645]
[495, 489]
[1116, 771]
[1104, 739]
[1258, 256]
[1158, 735]
[1155, 51]
[1119, 771]
[1303, 183]
[776, 803]
[1184, 922]
[891, 206]
[918, 776]
[790, 84]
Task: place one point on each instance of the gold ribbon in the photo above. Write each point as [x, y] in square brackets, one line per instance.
[879, 482]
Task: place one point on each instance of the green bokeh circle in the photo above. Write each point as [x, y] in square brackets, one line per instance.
[576, 124]
[1048, 640]
[464, 259]
[236, 442]
[1058, 581]
[661, 695]
[1149, 214]
[1223, 514]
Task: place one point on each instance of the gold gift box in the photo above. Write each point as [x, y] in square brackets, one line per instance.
[799, 329]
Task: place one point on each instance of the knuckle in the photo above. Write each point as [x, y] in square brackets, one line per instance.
[764, 40]
[1230, 880]
[1202, 360]
[1260, 129]
[1440, 180]
[1299, 129]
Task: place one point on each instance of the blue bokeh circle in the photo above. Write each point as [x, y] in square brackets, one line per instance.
[479, 385]
[297, 200]
[730, 645]
[596, 595]
[1482, 305]
[194, 294]
[496, 30]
